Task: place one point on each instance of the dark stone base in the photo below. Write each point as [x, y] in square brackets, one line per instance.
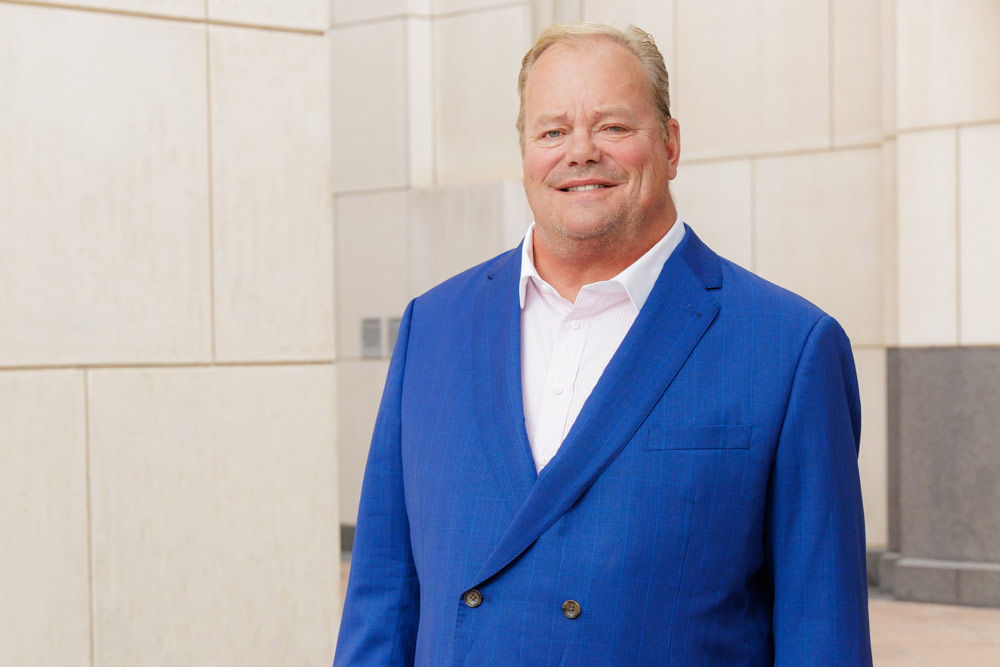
[944, 476]
[346, 538]
[872, 559]
[947, 582]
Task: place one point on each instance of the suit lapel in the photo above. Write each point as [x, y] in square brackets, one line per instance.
[677, 313]
[497, 382]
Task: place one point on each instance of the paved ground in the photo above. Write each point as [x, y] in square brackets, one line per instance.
[911, 634]
[908, 634]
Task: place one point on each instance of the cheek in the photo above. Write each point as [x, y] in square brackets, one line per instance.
[537, 165]
[630, 156]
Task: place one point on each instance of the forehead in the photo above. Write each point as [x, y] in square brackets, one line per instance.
[587, 74]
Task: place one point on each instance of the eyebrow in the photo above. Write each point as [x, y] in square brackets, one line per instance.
[600, 114]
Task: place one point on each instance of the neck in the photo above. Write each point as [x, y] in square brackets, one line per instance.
[569, 264]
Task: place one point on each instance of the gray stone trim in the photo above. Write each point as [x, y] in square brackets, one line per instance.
[947, 582]
[346, 538]
[872, 559]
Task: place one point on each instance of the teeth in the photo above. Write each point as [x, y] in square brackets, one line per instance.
[581, 188]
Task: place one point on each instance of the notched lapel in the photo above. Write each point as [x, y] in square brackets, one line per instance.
[497, 382]
[677, 313]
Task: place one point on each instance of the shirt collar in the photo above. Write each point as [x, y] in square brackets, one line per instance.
[637, 279]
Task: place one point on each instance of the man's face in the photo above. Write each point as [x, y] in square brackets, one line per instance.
[596, 161]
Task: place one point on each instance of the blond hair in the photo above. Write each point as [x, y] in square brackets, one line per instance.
[636, 40]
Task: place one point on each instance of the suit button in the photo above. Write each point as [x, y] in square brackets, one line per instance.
[473, 598]
[571, 609]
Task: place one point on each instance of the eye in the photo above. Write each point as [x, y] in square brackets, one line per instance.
[553, 134]
[615, 128]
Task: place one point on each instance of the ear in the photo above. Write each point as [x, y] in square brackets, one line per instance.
[672, 143]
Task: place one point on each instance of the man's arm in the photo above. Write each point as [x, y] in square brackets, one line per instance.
[379, 624]
[814, 534]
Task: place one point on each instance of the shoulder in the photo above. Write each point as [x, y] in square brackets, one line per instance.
[771, 299]
[756, 306]
[465, 287]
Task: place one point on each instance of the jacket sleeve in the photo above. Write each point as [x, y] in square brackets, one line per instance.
[379, 623]
[814, 531]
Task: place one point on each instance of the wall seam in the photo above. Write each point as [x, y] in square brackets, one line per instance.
[674, 50]
[407, 92]
[474, 10]
[156, 365]
[90, 526]
[211, 185]
[435, 105]
[753, 214]
[818, 150]
[958, 237]
[165, 17]
[830, 71]
[372, 191]
[948, 126]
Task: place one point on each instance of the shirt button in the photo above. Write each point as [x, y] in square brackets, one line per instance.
[574, 325]
[571, 609]
[474, 598]
[558, 391]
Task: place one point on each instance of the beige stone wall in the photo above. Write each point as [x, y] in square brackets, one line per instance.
[167, 382]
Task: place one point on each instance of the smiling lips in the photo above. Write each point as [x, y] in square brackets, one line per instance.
[584, 186]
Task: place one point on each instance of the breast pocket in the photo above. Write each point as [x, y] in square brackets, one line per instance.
[699, 437]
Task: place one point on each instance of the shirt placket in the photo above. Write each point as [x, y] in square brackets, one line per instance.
[564, 366]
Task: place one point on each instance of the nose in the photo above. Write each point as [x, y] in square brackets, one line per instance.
[582, 149]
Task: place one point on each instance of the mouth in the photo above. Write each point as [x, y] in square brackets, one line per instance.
[587, 185]
[584, 188]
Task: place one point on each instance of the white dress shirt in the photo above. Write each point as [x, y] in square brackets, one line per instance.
[565, 346]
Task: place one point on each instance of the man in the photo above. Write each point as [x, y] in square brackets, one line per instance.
[610, 446]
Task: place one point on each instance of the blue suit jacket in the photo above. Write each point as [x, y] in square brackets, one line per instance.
[704, 509]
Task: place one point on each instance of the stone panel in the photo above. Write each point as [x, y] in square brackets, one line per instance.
[857, 89]
[300, 14]
[190, 9]
[887, 26]
[715, 199]
[872, 457]
[104, 236]
[947, 62]
[925, 581]
[818, 233]
[979, 227]
[372, 263]
[349, 11]
[446, 6]
[456, 227]
[369, 80]
[272, 209]
[359, 391]
[927, 245]
[214, 515]
[890, 250]
[949, 473]
[44, 608]
[767, 90]
[476, 94]
[979, 586]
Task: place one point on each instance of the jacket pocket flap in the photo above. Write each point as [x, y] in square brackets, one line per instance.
[699, 437]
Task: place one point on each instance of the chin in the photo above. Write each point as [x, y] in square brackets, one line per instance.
[584, 231]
